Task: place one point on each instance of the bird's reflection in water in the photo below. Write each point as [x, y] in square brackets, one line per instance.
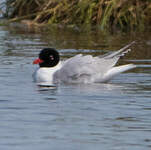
[48, 89]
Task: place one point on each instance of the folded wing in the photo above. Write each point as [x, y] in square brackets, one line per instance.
[88, 69]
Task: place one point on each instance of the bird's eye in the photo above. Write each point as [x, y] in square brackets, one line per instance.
[51, 57]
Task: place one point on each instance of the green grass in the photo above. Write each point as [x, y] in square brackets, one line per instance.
[107, 14]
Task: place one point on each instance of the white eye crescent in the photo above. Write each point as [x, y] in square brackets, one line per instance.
[51, 57]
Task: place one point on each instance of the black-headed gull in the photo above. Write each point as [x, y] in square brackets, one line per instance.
[80, 68]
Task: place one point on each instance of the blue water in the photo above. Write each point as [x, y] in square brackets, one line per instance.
[112, 116]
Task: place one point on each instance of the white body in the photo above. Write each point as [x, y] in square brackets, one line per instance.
[46, 74]
[84, 69]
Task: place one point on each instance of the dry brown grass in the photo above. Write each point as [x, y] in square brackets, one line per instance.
[108, 14]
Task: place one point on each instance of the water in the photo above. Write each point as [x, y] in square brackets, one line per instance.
[112, 116]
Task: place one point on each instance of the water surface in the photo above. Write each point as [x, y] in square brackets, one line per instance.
[112, 116]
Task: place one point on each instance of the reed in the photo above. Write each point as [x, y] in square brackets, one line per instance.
[107, 14]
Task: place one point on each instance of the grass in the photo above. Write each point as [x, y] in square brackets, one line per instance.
[107, 14]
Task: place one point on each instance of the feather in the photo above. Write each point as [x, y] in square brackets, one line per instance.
[89, 69]
[120, 52]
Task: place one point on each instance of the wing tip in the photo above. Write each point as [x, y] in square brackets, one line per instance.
[117, 70]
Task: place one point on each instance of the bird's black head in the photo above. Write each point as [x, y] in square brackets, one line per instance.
[48, 57]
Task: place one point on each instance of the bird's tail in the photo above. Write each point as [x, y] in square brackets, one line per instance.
[117, 70]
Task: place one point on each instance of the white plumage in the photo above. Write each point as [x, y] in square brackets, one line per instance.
[85, 69]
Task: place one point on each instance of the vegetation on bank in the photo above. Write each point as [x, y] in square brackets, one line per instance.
[107, 14]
